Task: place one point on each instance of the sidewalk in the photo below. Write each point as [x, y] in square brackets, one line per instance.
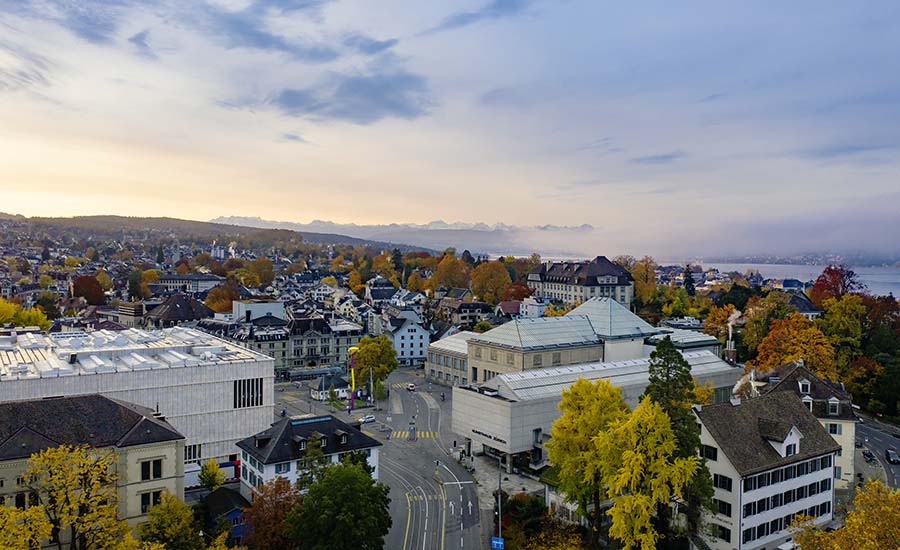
[485, 475]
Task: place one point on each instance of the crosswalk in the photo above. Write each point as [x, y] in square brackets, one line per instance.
[398, 386]
[419, 435]
[420, 498]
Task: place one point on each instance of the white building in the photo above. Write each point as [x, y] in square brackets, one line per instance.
[770, 460]
[410, 340]
[533, 307]
[192, 282]
[577, 282]
[447, 361]
[213, 392]
[280, 450]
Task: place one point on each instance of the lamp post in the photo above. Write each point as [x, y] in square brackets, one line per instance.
[499, 497]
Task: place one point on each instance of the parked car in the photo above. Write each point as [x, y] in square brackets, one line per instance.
[868, 455]
[892, 456]
[859, 444]
[367, 419]
[411, 387]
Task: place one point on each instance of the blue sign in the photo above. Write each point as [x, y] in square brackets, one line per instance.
[497, 543]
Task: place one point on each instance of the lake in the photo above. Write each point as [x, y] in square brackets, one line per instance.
[878, 280]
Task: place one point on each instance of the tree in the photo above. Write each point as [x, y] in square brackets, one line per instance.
[266, 517]
[86, 286]
[23, 529]
[672, 388]
[330, 281]
[842, 323]
[135, 290]
[376, 354]
[325, 521]
[359, 458]
[397, 260]
[263, 269]
[490, 281]
[220, 298]
[588, 409]
[482, 326]
[468, 258]
[873, 523]
[182, 268]
[415, 282]
[354, 281]
[518, 290]
[149, 276]
[626, 261]
[797, 338]
[106, 282]
[171, 523]
[45, 281]
[32, 317]
[47, 303]
[246, 277]
[451, 273]
[45, 254]
[76, 488]
[160, 256]
[554, 311]
[297, 266]
[759, 315]
[644, 275]
[689, 281]
[834, 282]
[716, 322]
[8, 311]
[211, 476]
[639, 468]
[556, 536]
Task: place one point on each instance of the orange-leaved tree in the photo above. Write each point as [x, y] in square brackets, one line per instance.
[797, 338]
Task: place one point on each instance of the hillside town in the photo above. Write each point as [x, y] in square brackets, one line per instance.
[249, 366]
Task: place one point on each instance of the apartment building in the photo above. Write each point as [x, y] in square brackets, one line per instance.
[577, 282]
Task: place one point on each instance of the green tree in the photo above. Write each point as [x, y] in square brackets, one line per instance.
[330, 281]
[45, 281]
[376, 354]
[671, 386]
[171, 523]
[160, 256]
[842, 323]
[397, 259]
[314, 462]
[47, 303]
[639, 468]
[759, 314]
[689, 281]
[344, 510]
[45, 254]
[106, 282]
[482, 326]
[211, 476]
[134, 285]
[359, 458]
[587, 409]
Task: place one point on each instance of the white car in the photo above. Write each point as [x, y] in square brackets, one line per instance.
[367, 419]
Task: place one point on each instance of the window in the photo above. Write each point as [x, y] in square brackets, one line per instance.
[790, 450]
[148, 500]
[192, 453]
[709, 453]
[283, 468]
[834, 429]
[834, 408]
[800, 492]
[777, 476]
[826, 461]
[775, 525]
[777, 500]
[248, 393]
[557, 358]
[804, 387]
[722, 482]
[837, 472]
[538, 360]
[747, 535]
[494, 355]
[151, 469]
[723, 507]
[477, 352]
[824, 485]
[509, 359]
[723, 533]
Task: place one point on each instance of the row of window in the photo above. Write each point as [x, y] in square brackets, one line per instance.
[787, 497]
[440, 377]
[783, 474]
[778, 524]
[447, 361]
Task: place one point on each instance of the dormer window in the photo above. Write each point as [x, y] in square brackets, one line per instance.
[344, 439]
[834, 407]
[303, 445]
[808, 402]
[804, 387]
[324, 441]
[790, 449]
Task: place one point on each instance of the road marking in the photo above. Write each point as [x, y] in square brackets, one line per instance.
[443, 516]
[404, 434]
[408, 515]
[425, 535]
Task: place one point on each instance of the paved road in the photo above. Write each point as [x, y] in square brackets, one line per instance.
[434, 506]
[877, 437]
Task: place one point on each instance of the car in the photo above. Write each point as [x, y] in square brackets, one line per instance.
[411, 387]
[367, 419]
[859, 444]
[892, 456]
[896, 434]
[868, 455]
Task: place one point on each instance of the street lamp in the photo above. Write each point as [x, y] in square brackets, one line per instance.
[499, 498]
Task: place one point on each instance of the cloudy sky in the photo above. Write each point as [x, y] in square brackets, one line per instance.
[665, 121]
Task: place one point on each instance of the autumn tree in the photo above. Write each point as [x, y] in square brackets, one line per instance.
[376, 354]
[220, 298]
[518, 290]
[415, 282]
[325, 521]
[797, 338]
[626, 261]
[211, 476]
[263, 269]
[32, 317]
[135, 290]
[76, 488]
[689, 281]
[106, 282]
[451, 273]
[45, 281]
[482, 326]
[490, 280]
[266, 517]
[759, 315]
[297, 266]
[873, 523]
[87, 287]
[23, 529]
[640, 469]
[644, 275]
[834, 282]
[330, 281]
[842, 323]
[171, 523]
[716, 322]
[246, 277]
[354, 281]
[588, 409]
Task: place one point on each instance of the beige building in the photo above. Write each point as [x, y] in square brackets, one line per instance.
[447, 359]
[149, 452]
[578, 282]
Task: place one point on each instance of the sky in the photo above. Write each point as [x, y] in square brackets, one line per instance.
[667, 126]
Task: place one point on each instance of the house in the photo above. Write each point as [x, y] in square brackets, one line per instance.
[828, 401]
[577, 282]
[177, 309]
[533, 307]
[469, 313]
[212, 391]
[508, 309]
[379, 291]
[192, 282]
[447, 360]
[281, 449]
[804, 305]
[224, 507]
[770, 460]
[410, 340]
[149, 451]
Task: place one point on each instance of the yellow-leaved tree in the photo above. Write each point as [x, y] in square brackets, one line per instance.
[637, 466]
[23, 529]
[490, 281]
[716, 322]
[872, 524]
[587, 410]
[797, 338]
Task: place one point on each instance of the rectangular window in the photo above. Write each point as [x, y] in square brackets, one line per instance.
[800, 492]
[834, 408]
[789, 496]
[802, 469]
[557, 358]
[791, 450]
[775, 525]
[776, 500]
[722, 482]
[151, 469]
[723, 533]
[747, 536]
[192, 453]
[248, 393]
[749, 509]
[477, 352]
[709, 453]
[723, 507]
[824, 485]
[837, 472]
[494, 355]
[777, 476]
[148, 500]
[509, 359]
[834, 429]
[538, 360]
[826, 461]
[283, 468]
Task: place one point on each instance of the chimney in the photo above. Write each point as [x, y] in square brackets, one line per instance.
[735, 400]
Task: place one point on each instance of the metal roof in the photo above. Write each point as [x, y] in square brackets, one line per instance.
[611, 319]
[455, 343]
[684, 338]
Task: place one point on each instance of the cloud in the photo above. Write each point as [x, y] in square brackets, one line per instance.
[246, 29]
[95, 22]
[664, 158]
[140, 42]
[24, 69]
[368, 45]
[840, 151]
[293, 137]
[496, 9]
[361, 99]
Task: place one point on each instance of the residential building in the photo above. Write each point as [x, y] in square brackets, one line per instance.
[410, 340]
[467, 314]
[533, 307]
[177, 309]
[577, 282]
[148, 451]
[281, 449]
[828, 401]
[511, 415]
[320, 389]
[771, 460]
[210, 390]
[447, 361]
[379, 291]
[224, 508]
[191, 283]
[804, 305]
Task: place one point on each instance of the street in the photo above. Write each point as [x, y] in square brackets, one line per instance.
[877, 437]
[434, 504]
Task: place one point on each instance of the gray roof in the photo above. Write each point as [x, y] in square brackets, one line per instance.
[541, 333]
[684, 338]
[787, 377]
[550, 382]
[611, 319]
[743, 431]
[455, 343]
[280, 443]
[28, 427]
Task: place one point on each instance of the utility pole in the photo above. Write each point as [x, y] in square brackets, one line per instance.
[499, 498]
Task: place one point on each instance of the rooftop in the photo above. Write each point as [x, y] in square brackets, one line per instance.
[32, 356]
[455, 343]
[280, 443]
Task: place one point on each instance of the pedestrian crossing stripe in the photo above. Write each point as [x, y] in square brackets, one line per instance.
[419, 435]
[420, 498]
[399, 386]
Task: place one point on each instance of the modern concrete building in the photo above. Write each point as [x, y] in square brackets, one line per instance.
[511, 415]
[213, 392]
[770, 460]
[281, 449]
[148, 451]
[577, 282]
[447, 361]
[192, 282]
